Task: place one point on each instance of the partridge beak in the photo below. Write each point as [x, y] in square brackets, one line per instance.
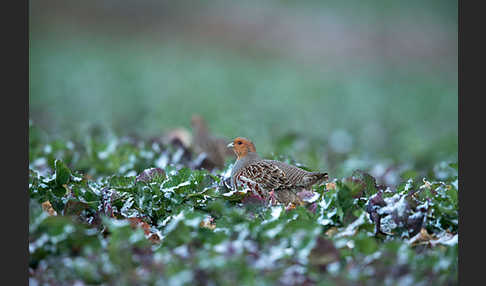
[230, 145]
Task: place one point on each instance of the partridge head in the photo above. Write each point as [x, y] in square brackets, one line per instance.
[242, 146]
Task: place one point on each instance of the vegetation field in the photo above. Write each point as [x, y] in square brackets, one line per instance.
[128, 211]
[366, 92]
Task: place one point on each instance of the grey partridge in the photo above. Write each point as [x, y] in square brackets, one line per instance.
[214, 147]
[269, 179]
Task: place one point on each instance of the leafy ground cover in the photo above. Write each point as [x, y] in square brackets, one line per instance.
[116, 210]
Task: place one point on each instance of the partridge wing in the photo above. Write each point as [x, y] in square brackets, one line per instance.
[299, 178]
[267, 175]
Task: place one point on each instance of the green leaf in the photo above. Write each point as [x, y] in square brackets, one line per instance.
[62, 174]
[454, 166]
[59, 191]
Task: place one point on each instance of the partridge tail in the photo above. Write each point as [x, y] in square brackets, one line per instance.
[315, 178]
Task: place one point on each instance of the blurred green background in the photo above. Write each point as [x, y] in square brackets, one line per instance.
[320, 81]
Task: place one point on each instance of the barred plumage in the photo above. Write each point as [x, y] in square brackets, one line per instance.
[267, 176]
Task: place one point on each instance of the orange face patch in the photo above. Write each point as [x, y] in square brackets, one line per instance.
[241, 147]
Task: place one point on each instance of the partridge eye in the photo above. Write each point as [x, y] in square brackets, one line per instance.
[239, 143]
